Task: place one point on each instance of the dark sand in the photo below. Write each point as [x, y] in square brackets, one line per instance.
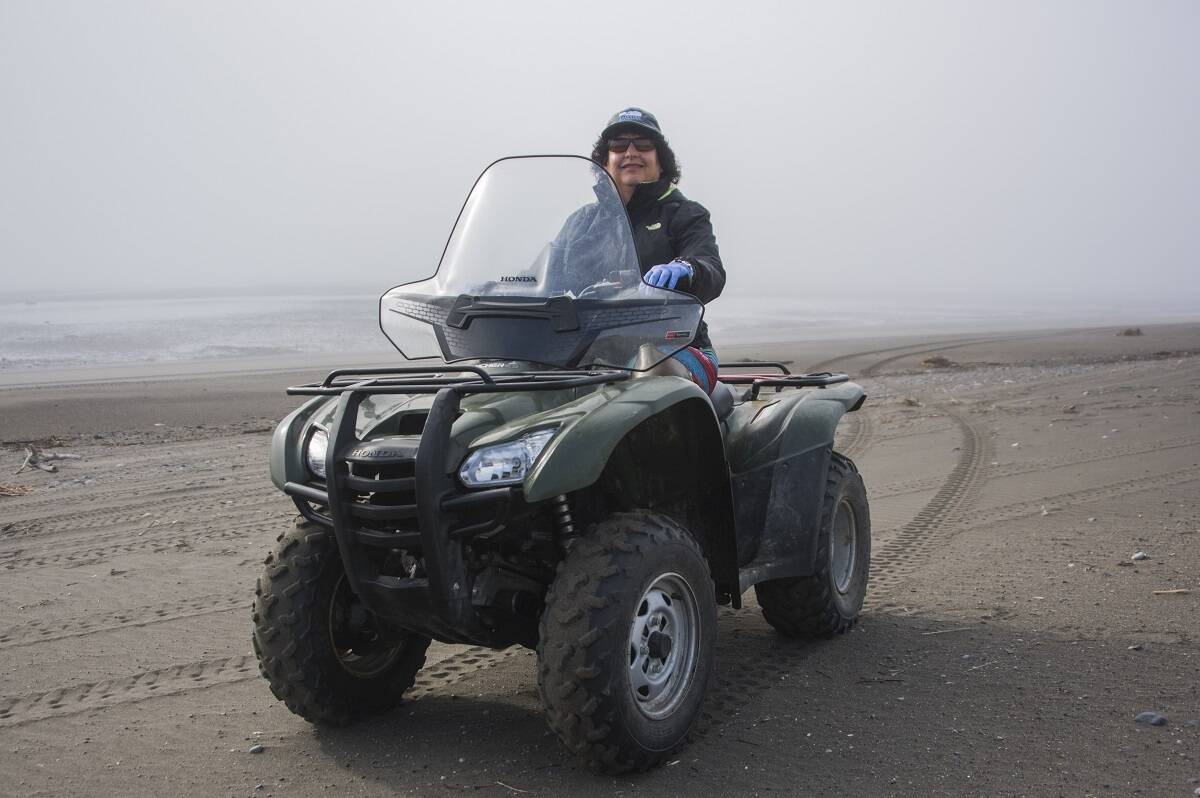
[1008, 642]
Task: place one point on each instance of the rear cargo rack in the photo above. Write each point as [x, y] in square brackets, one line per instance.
[785, 379]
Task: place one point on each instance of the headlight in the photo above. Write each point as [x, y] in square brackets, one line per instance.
[504, 463]
[314, 452]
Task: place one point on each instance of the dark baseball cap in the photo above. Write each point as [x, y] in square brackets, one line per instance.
[636, 119]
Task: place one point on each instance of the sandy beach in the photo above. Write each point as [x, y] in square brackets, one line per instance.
[1009, 640]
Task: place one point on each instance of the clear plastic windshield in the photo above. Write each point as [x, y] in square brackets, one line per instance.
[541, 267]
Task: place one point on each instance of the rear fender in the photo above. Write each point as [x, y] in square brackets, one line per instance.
[778, 448]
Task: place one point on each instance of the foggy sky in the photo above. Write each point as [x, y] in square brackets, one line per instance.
[1018, 150]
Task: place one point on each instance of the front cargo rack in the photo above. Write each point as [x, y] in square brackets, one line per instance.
[431, 379]
[785, 379]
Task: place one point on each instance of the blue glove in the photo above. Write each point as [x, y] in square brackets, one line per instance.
[668, 275]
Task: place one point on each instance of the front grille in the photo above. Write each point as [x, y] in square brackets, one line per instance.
[382, 492]
[378, 491]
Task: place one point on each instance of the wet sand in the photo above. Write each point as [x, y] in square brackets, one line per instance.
[1008, 643]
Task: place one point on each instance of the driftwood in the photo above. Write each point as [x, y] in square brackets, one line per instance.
[36, 458]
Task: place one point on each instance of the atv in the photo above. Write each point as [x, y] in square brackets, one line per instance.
[552, 480]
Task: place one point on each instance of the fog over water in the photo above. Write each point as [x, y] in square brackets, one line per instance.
[926, 154]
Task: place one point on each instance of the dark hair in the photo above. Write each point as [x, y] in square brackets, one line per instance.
[666, 156]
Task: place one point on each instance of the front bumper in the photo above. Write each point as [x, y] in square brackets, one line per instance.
[400, 494]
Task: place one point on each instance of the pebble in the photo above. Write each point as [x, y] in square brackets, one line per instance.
[1151, 718]
[1137, 647]
[258, 749]
[1138, 556]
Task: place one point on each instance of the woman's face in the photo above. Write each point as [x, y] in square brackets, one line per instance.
[632, 166]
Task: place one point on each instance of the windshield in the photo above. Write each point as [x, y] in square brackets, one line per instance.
[541, 266]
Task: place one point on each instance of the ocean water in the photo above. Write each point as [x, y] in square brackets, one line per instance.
[112, 331]
[118, 331]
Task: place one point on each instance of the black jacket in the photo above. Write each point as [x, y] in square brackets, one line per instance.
[669, 226]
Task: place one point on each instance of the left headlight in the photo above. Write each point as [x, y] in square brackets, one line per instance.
[314, 451]
[504, 463]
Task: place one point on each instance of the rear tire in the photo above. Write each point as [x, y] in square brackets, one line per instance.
[627, 642]
[829, 601]
[318, 647]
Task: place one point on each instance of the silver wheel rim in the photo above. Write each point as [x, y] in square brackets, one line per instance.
[843, 546]
[664, 642]
[362, 664]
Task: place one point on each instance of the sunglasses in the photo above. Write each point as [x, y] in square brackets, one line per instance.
[621, 145]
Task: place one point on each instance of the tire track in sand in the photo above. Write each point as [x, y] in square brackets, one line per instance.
[172, 680]
[776, 657]
[902, 553]
[176, 542]
[859, 437]
[206, 674]
[45, 630]
[93, 521]
[1059, 501]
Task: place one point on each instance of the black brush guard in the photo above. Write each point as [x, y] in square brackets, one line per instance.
[426, 507]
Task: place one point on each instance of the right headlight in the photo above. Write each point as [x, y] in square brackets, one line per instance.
[504, 463]
[314, 451]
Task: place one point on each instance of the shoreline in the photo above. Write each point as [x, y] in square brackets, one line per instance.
[734, 349]
[198, 399]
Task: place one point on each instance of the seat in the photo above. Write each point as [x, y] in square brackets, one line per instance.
[723, 398]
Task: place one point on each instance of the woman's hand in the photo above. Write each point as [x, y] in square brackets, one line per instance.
[668, 275]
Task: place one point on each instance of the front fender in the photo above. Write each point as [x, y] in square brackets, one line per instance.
[592, 428]
[287, 451]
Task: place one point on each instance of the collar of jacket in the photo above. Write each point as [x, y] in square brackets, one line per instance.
[648, 194]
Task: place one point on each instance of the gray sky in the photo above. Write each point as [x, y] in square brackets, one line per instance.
[1022, 150]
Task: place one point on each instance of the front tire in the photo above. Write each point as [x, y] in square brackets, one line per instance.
[829, 601]
[627, 642]
[319, 648]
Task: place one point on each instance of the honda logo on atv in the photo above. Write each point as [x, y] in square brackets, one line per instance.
[521, 278]
[379, 453]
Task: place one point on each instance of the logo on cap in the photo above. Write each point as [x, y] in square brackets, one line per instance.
[630, 115]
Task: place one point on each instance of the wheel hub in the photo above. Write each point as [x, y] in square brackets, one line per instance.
[843, 547]
[355, 637]
[659, 646]
[664, 641]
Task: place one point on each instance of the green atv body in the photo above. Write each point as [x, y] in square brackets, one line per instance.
[552, 482]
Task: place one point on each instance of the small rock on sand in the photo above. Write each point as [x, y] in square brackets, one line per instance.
[1151, 718]
[1138, 556]
[256, 749]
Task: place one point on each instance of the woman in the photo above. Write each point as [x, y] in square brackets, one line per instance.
[673, 235]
